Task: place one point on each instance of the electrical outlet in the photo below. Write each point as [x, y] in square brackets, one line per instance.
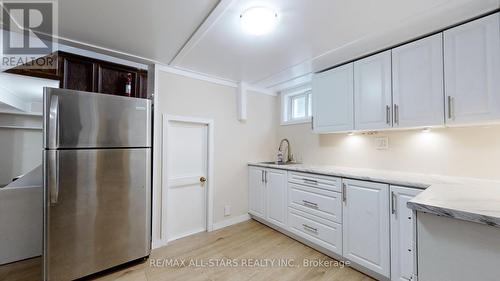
[382, 143]
[227, 210]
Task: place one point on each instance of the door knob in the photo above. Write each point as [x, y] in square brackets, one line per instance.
[203, 179]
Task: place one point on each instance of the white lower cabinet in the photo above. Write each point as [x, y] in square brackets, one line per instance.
[267, 193]
[402, 238]
[366, 229]
[364, 222]
[256, 192]
[276, 190]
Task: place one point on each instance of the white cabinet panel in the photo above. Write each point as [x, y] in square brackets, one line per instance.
[316, 201]
[366, 239]
[372, 92]
[402, 238]
[322, 232]
[472, 71]
[417, 79]
[256, 192]
[276, 190]
[316, 181]
[332, 98]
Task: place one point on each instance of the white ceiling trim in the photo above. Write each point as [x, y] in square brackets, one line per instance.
[196, 75]
[105, 51]
[202, 30]
[211, 79]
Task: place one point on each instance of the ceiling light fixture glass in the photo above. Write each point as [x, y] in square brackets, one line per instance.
[258, 20]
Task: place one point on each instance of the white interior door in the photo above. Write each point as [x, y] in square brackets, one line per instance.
[187, 150]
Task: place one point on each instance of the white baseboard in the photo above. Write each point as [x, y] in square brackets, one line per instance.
[231, 221]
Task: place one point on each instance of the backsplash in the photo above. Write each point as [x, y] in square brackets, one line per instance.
[465, 152]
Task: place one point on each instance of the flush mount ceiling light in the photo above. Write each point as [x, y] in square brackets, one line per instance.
[258, 20]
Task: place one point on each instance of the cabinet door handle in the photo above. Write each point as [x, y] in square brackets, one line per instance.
[310, 181]
[451, 109]
[396, 114]
[306, 227]
[312, 123]
[393, 203]
[265, 176]
[388, 114]
[310, 204]
[344, 193]
[262, 176]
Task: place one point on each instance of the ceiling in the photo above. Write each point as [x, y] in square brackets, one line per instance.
[205, 36]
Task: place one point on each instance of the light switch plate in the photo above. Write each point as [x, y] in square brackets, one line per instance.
[382, 143]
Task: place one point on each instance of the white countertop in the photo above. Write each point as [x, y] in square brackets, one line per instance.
[467, 199]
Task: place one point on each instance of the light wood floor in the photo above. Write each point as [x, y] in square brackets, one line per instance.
[244, 241]
[248, 240]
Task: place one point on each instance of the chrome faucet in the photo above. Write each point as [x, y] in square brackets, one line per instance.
[289, 156]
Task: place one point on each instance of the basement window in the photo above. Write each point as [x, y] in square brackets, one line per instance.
[296, 106]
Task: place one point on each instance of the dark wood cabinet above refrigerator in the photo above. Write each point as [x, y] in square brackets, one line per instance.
[82, 73]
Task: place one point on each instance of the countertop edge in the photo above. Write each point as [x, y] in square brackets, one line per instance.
[454, 214]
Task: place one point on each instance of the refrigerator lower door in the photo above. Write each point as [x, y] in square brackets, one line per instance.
[97, 210]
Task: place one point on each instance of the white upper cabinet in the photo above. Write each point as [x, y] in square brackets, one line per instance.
[372, 92]
[366, 234]
[276, 190]
[472, 71]
[332, 97]
[417, 81]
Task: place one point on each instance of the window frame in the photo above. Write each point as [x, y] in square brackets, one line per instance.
[287, 98]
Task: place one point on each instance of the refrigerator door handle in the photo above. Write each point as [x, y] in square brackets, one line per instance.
[54, 122]
[53, 176]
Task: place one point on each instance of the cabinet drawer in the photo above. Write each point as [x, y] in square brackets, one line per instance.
[319, 202]
[323, 182]
[322, 232]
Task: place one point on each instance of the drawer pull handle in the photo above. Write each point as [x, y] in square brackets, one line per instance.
[310, 204]
[306, 227]
[310, 181]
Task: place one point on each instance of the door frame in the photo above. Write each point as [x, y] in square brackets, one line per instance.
[209, 185]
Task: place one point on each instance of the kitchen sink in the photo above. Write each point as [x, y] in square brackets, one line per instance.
[278, 163]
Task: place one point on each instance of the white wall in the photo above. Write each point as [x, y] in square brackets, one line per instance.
[235, 142]
[20, 152]
[467, 152]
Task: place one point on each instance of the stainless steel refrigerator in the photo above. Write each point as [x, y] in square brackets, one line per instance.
[97, 182]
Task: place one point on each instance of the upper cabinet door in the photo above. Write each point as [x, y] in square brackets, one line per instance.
[372, 92]
[418, 90]
[332, 95]
[472, 71]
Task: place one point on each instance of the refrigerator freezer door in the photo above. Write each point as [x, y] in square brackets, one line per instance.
[100, 215]
[74, 119]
